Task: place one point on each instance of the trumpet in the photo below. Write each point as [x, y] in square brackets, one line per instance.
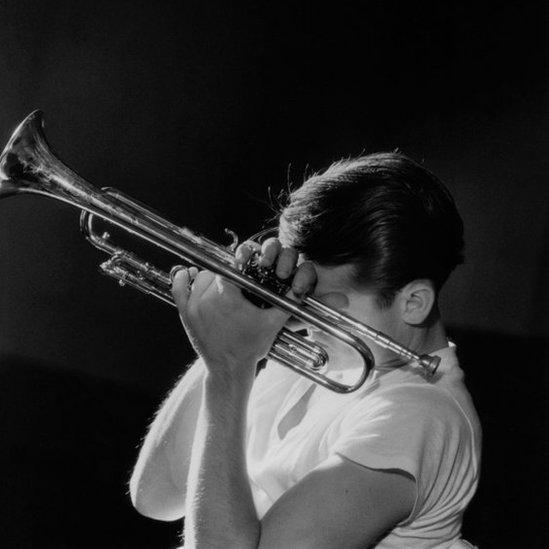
[27, 165]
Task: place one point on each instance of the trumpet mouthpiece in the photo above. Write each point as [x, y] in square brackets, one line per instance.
[430, 363]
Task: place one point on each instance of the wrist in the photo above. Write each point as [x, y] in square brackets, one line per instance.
[229, 379]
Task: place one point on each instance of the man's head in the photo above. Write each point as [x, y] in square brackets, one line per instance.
[391, 222]
[386, 215]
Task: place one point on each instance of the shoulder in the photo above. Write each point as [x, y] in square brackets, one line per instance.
[405, 425]
[406, 401]
[407, 392]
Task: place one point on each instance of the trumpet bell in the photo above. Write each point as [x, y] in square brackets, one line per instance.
[18, 163]
[28, 165]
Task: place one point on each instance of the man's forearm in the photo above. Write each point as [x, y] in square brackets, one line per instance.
[220, 508]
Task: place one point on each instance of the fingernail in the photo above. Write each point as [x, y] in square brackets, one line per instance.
[298, 291]
[175, 270]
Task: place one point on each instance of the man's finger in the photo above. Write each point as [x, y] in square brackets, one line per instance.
[202, 282]
[304, 280]
[269, 252]
[244, 252]
[181, 287]
[287, 260]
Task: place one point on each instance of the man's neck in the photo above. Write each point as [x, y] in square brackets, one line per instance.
[434, 338]
[422, 340]
[431, 336]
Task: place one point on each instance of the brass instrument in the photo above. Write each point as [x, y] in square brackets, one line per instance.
[27, 165]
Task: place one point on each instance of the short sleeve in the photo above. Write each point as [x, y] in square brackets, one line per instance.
[417, 429]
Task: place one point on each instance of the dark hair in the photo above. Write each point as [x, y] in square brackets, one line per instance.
[383, 213]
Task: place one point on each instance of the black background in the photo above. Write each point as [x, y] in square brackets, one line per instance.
[206, 111]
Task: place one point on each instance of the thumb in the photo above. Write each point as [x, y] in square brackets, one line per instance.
[181, 289]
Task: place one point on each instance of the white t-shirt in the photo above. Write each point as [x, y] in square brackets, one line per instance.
[397, 420]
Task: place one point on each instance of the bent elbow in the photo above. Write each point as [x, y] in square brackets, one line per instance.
[158, 501]
[157, 510]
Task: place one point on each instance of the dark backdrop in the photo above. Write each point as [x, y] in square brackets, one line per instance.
[207, 111]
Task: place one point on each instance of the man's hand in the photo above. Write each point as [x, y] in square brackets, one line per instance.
[226, 329]
[232, 335]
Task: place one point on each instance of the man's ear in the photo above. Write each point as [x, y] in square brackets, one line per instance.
[417, 300]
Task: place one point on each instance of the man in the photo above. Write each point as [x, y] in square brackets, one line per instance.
[277, 461]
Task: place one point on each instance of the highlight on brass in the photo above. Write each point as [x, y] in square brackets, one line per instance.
[27, 165]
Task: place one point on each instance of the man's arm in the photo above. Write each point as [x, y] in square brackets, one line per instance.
[221, 511]
[159, 479]
[339, 504]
